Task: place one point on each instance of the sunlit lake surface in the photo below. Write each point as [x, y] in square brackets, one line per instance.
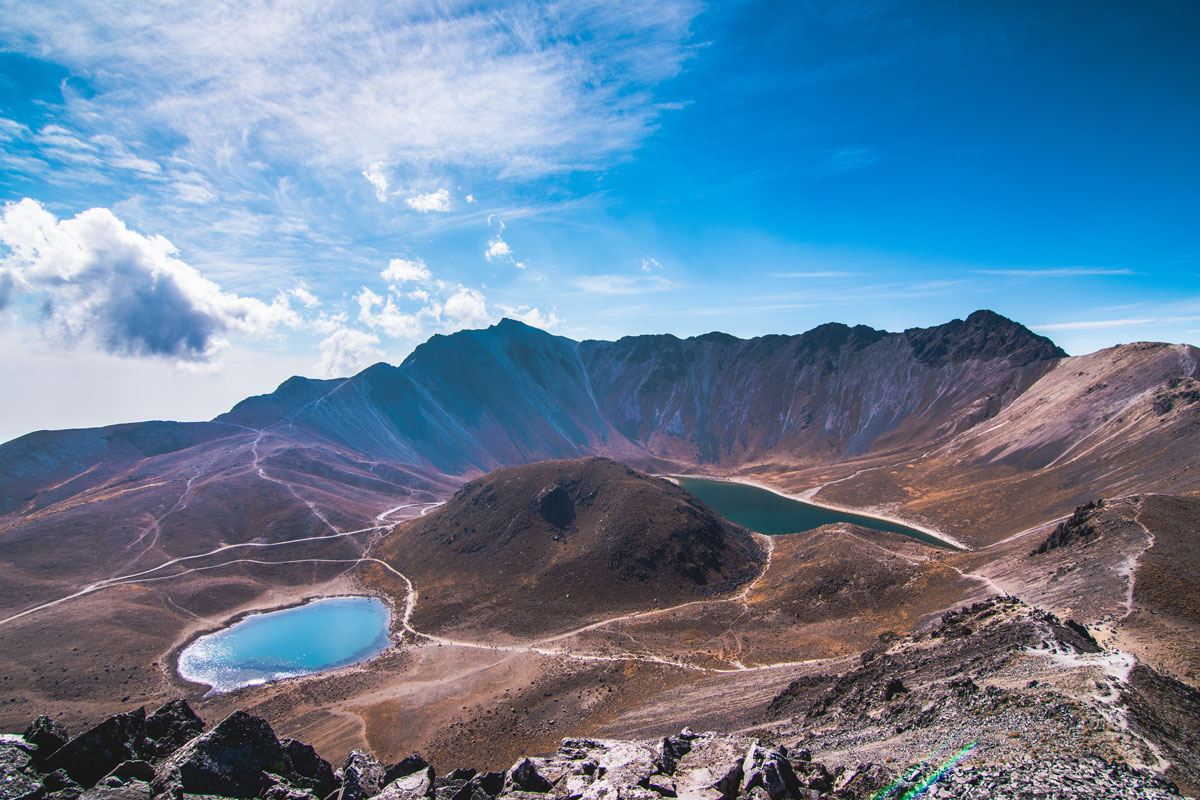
[318, 636]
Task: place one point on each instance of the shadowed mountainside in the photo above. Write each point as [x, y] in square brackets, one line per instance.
[512, 394]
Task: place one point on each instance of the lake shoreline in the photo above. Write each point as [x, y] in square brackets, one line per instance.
[174, 656]
[941, 538]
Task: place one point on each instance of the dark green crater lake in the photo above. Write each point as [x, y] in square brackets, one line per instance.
[773, 514]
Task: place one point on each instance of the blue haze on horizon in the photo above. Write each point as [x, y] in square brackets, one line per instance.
[200, 202]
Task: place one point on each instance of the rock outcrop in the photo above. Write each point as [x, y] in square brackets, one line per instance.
[242, 758]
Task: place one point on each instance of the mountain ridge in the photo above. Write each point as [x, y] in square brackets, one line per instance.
[537, 395]
[127, 540]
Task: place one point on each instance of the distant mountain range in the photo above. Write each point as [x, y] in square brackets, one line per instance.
[985, 392]
[124, 541]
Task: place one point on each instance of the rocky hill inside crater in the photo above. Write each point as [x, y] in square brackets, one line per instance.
[539, 548]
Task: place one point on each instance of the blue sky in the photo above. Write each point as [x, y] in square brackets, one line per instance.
[199, 202]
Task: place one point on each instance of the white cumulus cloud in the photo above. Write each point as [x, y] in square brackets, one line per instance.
[346, 351]
[434, 201]
[129, 294]
[467, 308]
[400, 270]
[533, 316]
[497, 249]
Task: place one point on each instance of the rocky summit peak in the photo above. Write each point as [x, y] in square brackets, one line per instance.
[983, 336]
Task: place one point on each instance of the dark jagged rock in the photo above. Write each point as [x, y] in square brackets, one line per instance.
[314, 772]
[280, 788]
[173, 725]
[524, 777]
[241, 758]
[284, 791]
[674, 748]
[362, 776]
[135, 770]
[768, 769]
[992, 632]
[488, 784]
[93, 754]
[407, 766]
[984, 335]
[1076, 529]
[18, 775]
[450, 786]
[413, 786]
[47, 735]
[134, 790]
[59, 786]
[814, 776]
[228, 761]
[894, 687]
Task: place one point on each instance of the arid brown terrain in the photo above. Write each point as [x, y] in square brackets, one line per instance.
[577, 597]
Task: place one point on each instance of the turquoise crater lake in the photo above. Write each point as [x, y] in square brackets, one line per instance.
[773, 514]
[317, 636]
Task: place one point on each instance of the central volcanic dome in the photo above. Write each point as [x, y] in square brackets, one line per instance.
[539, 548]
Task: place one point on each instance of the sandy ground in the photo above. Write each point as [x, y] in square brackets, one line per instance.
[483, 699]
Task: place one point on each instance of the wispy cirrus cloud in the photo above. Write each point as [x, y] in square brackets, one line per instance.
[817, 274]
[1056, 272]
[1128, 322]
[520, 89]
[851, 158]
[623, 284]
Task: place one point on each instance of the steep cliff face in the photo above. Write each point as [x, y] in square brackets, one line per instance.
[832, 392]
[460, 404]
[512, 394]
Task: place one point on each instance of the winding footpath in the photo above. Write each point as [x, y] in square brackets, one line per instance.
[539, 647]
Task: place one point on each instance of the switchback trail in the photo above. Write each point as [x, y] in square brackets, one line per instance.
[539, 647]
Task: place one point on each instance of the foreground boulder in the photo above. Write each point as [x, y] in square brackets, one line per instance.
[314, 772]
[47, 736]
[93, 754]
[712, 768]
[172, 726]
[362, 777]
[19, 779]
[229, 761]
[241, 758]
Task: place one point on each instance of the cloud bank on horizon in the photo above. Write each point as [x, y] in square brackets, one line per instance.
[311, 187]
